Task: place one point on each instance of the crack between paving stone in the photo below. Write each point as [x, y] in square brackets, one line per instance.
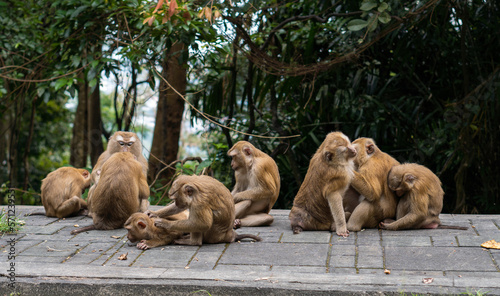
[493, 259]
[193, 257]
[356, 255]
[117, 250]
[329, 253]
[76, 252]
[220, 257]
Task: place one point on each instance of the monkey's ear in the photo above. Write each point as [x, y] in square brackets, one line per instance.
[370, 148]
[409, 178]
[141, 224]
[189, 190]
[328, 156]
[247, 150]
[85, 173]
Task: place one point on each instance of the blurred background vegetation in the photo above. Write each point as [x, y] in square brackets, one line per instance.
[420, 77]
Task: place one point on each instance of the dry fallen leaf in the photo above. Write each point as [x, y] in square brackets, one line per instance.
[76, 225]
[123, 256]
[427, 280]
[491, 244]
[387, 271]
[115, 236]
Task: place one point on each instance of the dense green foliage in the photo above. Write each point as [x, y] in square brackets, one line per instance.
[420, 77]
[423, 85]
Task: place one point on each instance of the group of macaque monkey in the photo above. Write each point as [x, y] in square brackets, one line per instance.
[347, 187]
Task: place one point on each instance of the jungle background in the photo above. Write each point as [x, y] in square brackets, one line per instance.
[420, 77]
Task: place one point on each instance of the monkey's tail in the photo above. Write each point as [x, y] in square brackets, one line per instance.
[242, 236]
[35, 213]
[82, 229]
[452, 227]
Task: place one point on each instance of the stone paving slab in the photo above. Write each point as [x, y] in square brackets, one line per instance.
[45, 259]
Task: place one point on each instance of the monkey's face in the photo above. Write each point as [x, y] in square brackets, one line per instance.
[124, 142]
[137, 227]
[365, 148]
[338, 148]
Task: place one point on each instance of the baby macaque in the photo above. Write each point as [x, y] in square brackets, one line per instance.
[141, 228]
[121, 191]
[62, 190]
[318, 205]
[257, 185]
[421, 198]
[211, 211]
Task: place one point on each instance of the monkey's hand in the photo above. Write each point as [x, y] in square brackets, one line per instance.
[142, 245]
[151, 214]
[163, 223]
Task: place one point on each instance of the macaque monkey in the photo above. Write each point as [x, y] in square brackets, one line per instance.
[318, 204]
[62, 190]
[141, 228]
[211, 211]
[121, 191]
[370, 180]
[121, 142]
[257, 185]
[421, 198]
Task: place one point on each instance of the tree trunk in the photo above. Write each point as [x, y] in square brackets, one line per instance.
[169, 113]
[79, 149]
[95, 125]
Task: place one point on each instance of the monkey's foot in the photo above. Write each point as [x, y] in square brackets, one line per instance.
[237, 223]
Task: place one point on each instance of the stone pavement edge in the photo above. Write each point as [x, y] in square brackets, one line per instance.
[44, 259]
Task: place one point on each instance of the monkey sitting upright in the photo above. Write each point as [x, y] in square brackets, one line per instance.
[121, 191]
[257, 185]
[318, 205]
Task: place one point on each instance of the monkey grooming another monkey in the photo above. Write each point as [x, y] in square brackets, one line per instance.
[211, 211]
[370, 180]
[421, 198]
[257, 185]
[318, 204]
[141, 228]
[121, 191]
[121, 142]
[62, 190]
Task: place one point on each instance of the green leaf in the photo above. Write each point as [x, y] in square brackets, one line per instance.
[356, 25]
[93, 82]
[382, 7]
[384, 17]
[368, 5]
[60, 83]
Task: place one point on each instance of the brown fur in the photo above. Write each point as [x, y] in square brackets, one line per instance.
[62, 190]
[141, 228]
[211, 211]
[421, 198]
[318, 204]
[370, 180]
[257, 185]
[122, 190]
[129, 143]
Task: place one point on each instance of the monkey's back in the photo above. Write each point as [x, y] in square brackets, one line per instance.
[116, 196]
[59, 186]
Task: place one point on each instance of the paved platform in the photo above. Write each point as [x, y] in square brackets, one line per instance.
[50, 261]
